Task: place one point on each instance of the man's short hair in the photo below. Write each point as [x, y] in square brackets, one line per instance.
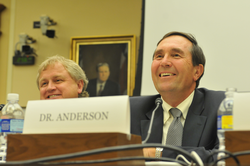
[196, 51]
[101, 64]
[74, 70]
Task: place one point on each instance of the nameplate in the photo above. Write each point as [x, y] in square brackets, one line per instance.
[241, 111]
[78, 115]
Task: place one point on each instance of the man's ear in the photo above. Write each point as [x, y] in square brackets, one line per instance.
[198, 71]
[80, 85]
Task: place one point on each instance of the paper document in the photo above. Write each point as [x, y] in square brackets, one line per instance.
[241, 111]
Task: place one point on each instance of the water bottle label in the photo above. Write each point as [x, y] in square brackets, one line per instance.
[225, 122]
[219, 122]
[12, 125]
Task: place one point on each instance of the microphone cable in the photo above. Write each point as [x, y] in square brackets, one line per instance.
[118, 159]
[234, 156]
[158, 101]
[104, 150]
[229, 154]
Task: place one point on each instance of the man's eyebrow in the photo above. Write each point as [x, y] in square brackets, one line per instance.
[178, 50]
[54, 77]
[41, 81]
[157, 51]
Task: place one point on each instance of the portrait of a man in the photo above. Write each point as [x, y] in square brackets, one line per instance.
[106, 68]
[115, 55]
[102, 85]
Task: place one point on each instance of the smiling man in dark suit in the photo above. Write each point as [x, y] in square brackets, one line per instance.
[102, 85]
[177, 67]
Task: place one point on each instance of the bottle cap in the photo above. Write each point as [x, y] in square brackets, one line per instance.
[231, 89]
[13, 96]
[230, 92]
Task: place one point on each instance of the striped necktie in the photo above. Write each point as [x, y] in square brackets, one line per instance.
[100, 91]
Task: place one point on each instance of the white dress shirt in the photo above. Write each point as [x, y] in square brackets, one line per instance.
[168, 118]
[98, 86]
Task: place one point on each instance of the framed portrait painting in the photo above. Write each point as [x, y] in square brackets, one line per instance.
[116, 53]
[2, 7]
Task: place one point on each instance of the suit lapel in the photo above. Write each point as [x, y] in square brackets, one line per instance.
[195, 122]
[106, 89]
[193, 128]
[156, 132]
[94, 87]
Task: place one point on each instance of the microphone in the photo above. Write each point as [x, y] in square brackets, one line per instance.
[158, 101]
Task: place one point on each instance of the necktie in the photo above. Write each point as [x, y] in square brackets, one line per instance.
[175, 130]
[100, 91]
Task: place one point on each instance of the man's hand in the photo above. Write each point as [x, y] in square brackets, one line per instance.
[149, 152]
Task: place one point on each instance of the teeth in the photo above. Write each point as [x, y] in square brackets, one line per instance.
[52, 96]
[166, 74]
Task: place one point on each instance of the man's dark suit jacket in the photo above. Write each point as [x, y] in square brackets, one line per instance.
[200, 128]
[111, 88]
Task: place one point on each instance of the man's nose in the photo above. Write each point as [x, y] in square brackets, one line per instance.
[166, 61]
[51, 86]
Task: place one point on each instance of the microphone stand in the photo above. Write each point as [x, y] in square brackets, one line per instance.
[158, 101]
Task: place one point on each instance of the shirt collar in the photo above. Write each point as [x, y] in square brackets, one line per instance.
[101, 83]
[183, 107]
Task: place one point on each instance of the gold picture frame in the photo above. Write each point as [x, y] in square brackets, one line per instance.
[118, 51]
[2, 7]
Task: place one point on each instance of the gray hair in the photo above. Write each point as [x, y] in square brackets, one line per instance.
[74, 70]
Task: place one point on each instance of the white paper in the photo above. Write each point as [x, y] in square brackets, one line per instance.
[78, 115]
[241, 111]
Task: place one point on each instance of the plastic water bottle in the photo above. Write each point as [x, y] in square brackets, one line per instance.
[225, 120]
[12, 118]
